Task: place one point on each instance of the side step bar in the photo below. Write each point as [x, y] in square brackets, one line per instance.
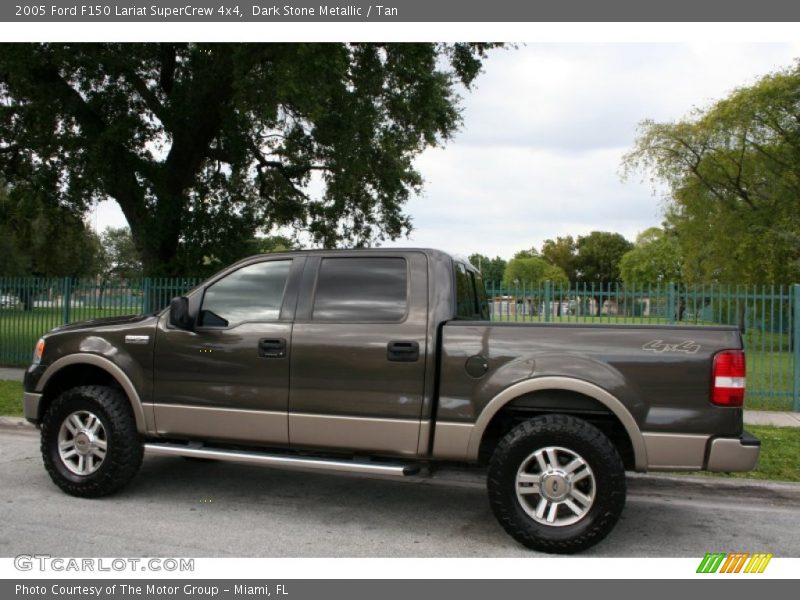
[282, 460]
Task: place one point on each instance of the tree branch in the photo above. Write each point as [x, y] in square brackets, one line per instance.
[119, 175]
[166, 77]
[152, 101]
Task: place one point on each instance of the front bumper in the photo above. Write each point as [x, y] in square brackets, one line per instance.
[30, 402]
[733, 454]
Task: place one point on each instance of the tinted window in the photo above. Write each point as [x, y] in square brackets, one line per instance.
[465, 296]
[471, 301]
[361, 289]
[480, 292]
[252, 293]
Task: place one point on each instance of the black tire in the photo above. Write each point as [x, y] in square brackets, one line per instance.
[607, 484]
[124, 448]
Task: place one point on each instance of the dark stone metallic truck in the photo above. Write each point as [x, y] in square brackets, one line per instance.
[386, 362]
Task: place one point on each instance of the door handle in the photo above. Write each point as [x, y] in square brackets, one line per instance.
[272, 347]
[402, 351]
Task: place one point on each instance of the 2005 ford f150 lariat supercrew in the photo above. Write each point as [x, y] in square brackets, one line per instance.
[386, 362]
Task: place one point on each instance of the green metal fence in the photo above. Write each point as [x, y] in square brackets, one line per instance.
[766, 315]
[32, 306]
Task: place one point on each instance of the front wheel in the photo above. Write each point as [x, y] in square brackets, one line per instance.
[556, 484]
[90, 445]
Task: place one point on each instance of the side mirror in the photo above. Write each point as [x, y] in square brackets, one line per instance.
[179, 314]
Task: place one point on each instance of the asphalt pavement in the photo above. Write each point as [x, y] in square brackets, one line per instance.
[11, 374]
[176, 507]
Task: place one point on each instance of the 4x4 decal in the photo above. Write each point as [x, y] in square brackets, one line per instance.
[660, 346]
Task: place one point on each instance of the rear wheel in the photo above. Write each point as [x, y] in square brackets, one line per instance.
[557, 484]
[90, 445]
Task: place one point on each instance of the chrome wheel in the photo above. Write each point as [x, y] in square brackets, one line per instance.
[82, 442]
[555, 486]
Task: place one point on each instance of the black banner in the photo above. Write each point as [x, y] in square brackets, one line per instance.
[400, 11]
[419, 589]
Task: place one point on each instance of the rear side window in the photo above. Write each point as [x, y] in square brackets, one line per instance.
[480, 293]
[471, 301]
[368, 289]
[252, 293]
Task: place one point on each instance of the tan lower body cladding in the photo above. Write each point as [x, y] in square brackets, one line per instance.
[391, 436]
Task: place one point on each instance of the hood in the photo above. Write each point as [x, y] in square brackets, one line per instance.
[103, 322]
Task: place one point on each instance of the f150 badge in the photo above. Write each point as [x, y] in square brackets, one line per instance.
[660, 346]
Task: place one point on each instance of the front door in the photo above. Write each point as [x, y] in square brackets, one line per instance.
[358, 353]
[229, 378]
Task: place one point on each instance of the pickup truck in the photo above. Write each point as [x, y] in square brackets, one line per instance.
[386, 362]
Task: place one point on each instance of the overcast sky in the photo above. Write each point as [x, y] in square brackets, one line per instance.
[544, 131]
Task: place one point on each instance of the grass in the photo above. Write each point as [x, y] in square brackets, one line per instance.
[780, 446]
[11, 398]
[770, 380]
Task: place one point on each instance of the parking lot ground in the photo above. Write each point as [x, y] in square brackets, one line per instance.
[176, 507]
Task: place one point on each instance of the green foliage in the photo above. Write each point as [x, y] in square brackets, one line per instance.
[533, 271]
[208, 146]
[491, 269]
[655, 258]
[119, 258]
[561, 252]
[598, 257]
[43, 239]
[530, 253]
[733, 174]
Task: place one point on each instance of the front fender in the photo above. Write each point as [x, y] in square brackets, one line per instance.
[95, 360]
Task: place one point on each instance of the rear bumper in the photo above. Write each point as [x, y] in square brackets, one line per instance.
[692, 452]
[733, 454]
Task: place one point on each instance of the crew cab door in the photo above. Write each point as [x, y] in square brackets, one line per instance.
[358, 353]
[229, 378]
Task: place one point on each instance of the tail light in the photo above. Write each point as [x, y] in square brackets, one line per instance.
[727, 379]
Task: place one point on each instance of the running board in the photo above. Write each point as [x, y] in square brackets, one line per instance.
[283, 461]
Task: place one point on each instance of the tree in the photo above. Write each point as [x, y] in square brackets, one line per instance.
[14, 261]
[206, 146]
[120, 260]
[532, 271]
[598, 256]
[491, 269]
[274, 243]
[732, 173]
[597, 262]
[561, 252]
[43, 240]
[529, 253]
[655, 258]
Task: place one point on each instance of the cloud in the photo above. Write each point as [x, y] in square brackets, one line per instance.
[584, 96]
[500, 199]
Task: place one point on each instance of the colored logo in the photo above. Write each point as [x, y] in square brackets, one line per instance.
[734, 562]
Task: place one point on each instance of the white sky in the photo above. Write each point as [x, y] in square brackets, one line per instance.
[544, 130]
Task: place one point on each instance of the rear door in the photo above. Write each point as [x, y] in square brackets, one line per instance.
[358, 353]
[229, 378]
